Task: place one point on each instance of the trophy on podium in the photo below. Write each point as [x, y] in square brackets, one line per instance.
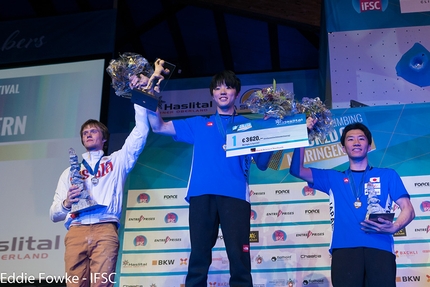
[135, 78]
[85, 202]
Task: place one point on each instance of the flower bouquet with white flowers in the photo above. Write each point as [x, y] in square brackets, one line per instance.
[315, 109]
[125, 70]
[272, 102]
[279, 103]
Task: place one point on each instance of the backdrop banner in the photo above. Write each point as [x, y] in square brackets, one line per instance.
[290, 222]
[91, 33]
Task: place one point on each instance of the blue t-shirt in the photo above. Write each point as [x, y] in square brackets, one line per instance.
[345, 216]
[211, 171]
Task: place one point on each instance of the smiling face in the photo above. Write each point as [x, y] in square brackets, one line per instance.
[225, 88]
[224, 97]
[356, 144]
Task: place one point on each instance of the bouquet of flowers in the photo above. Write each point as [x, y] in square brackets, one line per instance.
[127, 68]
[272, 102]
[280, 103]
[315, 109]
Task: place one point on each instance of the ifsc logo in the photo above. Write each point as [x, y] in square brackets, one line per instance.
[369, 5]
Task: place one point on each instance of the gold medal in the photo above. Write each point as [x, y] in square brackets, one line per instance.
[357, 203]
[357, 190]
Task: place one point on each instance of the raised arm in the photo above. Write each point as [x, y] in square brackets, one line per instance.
[159, 126]
[297, 167]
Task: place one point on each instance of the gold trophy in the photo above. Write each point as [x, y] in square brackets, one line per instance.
[134, 78]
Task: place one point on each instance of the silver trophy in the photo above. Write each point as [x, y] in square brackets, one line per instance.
[374, 209]
[85, 202]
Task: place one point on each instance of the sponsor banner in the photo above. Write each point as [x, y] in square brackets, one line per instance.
[264, 279]
[162, 281]
[198, 102]
[284, 192]
[134, 263]
[147, 218]
[407, 276]
[421, 206]
[290, 213]
[347, 15]
[58, 37]
[408, 253]
[155, 262]
[285, 236]
[184, 103]
[177, 262]
[417, 229]
[156, 197]
[39, 88]
[417, 185]
[35, 252]
[156, 240]
[318, 277]
[290, 258]
[411, 6]
[141, 198]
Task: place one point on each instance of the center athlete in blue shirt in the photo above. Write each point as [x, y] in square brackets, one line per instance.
[218, 191]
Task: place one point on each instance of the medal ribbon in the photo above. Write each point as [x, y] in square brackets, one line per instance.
[88, 167]
[220, 126]
[357, 191]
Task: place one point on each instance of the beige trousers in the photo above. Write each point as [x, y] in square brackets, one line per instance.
[91, 255]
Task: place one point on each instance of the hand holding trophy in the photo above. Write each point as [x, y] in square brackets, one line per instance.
[374, 209]
[85, 202]
[134, 78]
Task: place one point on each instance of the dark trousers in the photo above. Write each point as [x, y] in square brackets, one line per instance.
[206, 213]
[363, 267]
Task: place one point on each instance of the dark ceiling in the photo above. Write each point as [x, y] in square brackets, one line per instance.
[202, 37]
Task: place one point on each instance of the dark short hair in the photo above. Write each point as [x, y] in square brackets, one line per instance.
[95, 123]
[356, 126]
[227, 77]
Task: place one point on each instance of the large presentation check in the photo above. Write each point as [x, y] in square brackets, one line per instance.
[272, 134]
